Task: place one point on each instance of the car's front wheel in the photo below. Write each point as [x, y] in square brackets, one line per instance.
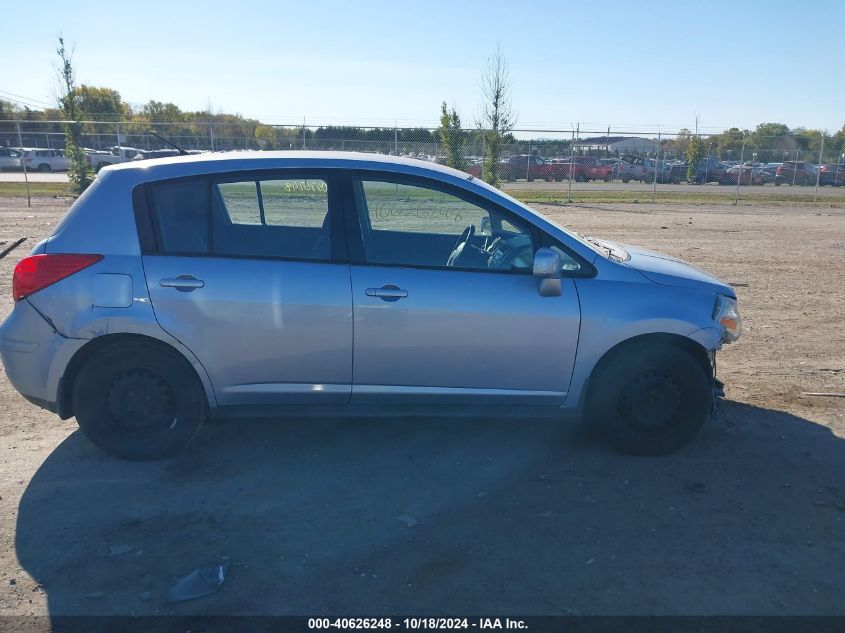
[650, 400]
[138, 400]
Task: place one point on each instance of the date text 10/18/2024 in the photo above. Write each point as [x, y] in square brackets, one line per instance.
[417, 623]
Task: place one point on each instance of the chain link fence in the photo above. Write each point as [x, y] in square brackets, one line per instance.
[656, 156]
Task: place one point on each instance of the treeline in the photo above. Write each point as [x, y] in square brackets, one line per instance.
[771, 142]
[206, 129]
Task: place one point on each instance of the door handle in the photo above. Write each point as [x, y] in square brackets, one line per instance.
[388, 292]
[185, 283]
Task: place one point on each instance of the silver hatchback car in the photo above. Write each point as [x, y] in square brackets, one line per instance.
[308, 284]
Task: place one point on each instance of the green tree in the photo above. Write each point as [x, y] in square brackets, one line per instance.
[695, 152]
[497, 115]
[728, 144]
[452, 137]
[266, 136]
[101, 104]
[80, 173]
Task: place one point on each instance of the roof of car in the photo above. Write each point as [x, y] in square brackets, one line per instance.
[224, 161]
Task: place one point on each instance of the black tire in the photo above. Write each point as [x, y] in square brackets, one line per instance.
[44, 168]
[650, 400]
[139, 401]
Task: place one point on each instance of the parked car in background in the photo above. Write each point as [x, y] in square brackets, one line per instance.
[593, 169]
[745, 174]
[45, 160]
[180, 289]
[832, 175]
[115, 155]
[771, 169]
[157, 153]
[613, 163]
[564, 168]
[677, 171]
[525, 167]
[10, 159]
[633, 168]
[709, 170]
[795, 172]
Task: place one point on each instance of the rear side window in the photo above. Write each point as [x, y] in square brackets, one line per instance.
[180, 213]
[243, 216]
[272, 217]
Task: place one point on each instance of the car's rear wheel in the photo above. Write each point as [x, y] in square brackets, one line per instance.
[138, 401]
[650, 400]
[45, 168]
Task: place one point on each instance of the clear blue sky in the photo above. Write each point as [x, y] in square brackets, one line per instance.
[633, 64]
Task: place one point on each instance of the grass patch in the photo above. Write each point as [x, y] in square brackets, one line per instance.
[540, 196]
[42, 189]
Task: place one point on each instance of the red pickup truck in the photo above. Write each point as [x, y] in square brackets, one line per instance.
[526, 166]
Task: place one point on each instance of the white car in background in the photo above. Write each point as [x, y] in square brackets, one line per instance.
[9, 158]
[45, 160]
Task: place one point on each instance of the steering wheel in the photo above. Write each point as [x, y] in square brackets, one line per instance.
[458, 249]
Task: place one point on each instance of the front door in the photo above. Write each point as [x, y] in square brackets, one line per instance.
[249, 275]
[445, 306]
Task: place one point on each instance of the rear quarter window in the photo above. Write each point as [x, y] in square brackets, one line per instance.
[179, 209]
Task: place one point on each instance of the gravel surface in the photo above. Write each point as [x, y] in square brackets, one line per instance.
[491, 517]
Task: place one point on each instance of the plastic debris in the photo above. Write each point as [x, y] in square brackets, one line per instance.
[117, 550]
[408, 520]
[146, 596]
[543, 515]
[95, 594]
[200, 582]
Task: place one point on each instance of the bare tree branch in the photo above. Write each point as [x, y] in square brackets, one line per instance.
[497, 115]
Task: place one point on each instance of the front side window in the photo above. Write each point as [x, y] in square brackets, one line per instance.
[416, 225]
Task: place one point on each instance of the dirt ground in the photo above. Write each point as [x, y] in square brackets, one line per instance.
[514, 517]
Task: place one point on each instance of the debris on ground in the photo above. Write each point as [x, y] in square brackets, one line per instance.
[200, 582]
[11, 247]
[408, 520]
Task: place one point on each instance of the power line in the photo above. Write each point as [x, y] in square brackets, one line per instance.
[32, 101]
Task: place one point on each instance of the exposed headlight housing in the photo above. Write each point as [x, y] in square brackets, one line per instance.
[726, 314]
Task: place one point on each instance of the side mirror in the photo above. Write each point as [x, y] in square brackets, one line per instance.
[547, 270]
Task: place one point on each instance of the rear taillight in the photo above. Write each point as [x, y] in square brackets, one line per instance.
[39, 271]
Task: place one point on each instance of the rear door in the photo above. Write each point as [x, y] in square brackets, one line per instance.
[249, 271]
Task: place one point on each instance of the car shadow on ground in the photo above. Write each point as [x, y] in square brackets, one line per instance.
[495, 517]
